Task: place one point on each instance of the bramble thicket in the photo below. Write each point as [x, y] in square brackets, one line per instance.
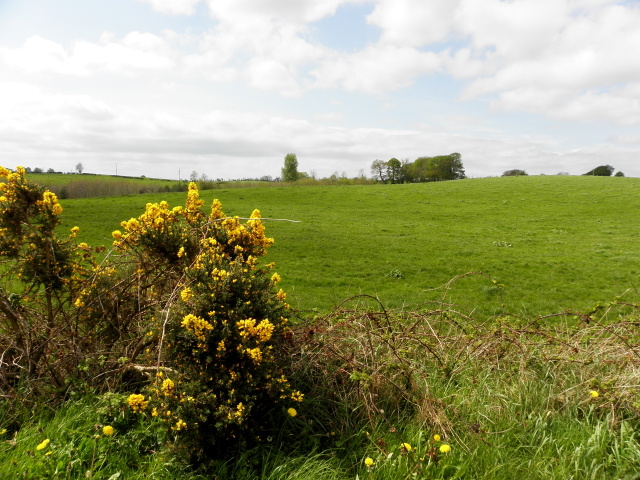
[181, 297]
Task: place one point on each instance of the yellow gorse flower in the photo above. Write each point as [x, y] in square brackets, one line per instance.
[196, 325]
[180, 425]
[262, 331]
[137, 402]
[168, 387]
[186, 294]
[406, 446]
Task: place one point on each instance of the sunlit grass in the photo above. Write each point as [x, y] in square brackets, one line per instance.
[552, 242]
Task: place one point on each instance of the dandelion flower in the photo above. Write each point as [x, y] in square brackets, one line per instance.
[369, 462]
[108, 430]
[445, 448]
[43, 445]
[436, 437]
[406, 446]
[594, 393]
[292, 412]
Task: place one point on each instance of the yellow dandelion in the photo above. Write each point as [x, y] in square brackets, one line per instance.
[406, 446]
[444, 448]
[108, 430]
[292, 412]
[594, 393]
[436, 437]
[43, 445]
[369, 462]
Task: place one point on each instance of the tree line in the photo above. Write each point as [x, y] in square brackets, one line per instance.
[423, 169]
[600, 171]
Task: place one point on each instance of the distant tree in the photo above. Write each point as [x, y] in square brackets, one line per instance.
[194, 176]
[514, 173]
[51, 170]
[37, 170]
[619, 174]
[393, 170]
[405, 171]
[450, 167]
[562, 173]
[601, 171]
[379, 169]
[80, 168]
[290, 169]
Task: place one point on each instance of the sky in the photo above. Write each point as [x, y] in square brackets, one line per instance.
[227, 88]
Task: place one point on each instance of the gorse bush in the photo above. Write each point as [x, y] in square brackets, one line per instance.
[40, 275]
[182, 297]
[220, 336]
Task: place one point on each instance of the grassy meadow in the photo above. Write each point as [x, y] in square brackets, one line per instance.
[508, 372]
[549, 242]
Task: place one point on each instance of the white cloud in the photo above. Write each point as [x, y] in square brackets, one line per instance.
[117, 58]
[376, 69]
[278, 11]
[555, 58]
[137, 52]
[616, 106]
[268, 74]
[414, 22]
[37, 55]
[173, 7]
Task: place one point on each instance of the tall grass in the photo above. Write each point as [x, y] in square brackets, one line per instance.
[541, 398]
[538, 398]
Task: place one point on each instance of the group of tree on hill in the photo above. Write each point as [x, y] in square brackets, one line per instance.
[604, 171]
[601, 171]
[423, 169]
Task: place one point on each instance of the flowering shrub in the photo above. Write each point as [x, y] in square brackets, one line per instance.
[219, 335]
[183, 295]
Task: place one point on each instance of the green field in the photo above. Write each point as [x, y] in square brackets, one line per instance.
[550, 242]
[416, 389]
